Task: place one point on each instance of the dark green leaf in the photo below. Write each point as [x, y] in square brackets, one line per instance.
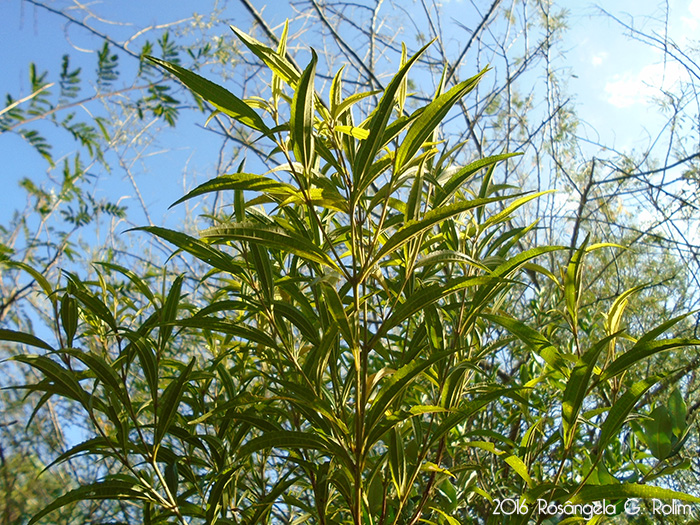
[170, 401]
[21, 337]
[110, 489]
[378, 121]
[430, 119]
[272, 236]
[238, 181]
[301, 119]
[217, 96]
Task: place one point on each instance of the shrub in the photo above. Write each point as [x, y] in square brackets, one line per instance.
[361, 358]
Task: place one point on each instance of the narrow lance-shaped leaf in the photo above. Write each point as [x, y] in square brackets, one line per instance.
[519, 466]
[27, 339]
[247, 333]
[642, 350]
[103, 371]
[278, 64]
[95, 306]
[274, 237]
[111, 489]
[147, 357]
[658, 432]
[430, 118]
[445, 192]
[537, 342]
[290, 440]
[337, 311]
[238, 181]
[378, 121]
[201, 250]
[572, 282]
[64, 382]
[621, 409]
[506, 213]
[414, 228]
[129, 274]
[629, 490]
[170, 401]
[398, 382]
[302, 116]
[169, 311]
[429, 295]
[577, 386]
[38, 276]
[219, 97]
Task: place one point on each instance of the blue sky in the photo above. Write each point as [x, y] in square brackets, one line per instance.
[611, 77]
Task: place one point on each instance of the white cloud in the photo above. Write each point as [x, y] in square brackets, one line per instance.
[598, 59]
[691, 22]
[694, 8]
[629, 89]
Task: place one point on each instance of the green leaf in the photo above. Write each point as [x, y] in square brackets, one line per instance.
[96, 445]
[263, 506]
[428, 295]
[620, 410]
[628, 490]
[38, 276]
[201, 250]
[299, 320]
[95, 306]
[480, 399]
[63, 382]
[301, 121]
[102, 371]
[519, 466]
[663, 327]
[572, 282]
[534, 340]
[274, 237]
[278, 64]
[343, 105]
[396, 384]
[129, 274]
[378, 121]
[21, 337]
[290, 440]
[505, 214]
[171, 477]
[413, 229]
[678, 409]
[642, 350]
[337, 311]
[518, 261]
[170, 401]
[577, 386]
[262, 263]
[430, 119]
[247, 333]
[217, 96]
[444, 192]
[109, 489]
[658, 432]
[147, 357]
[168, 312]
[397, 461]
[238, 181]
[216, 495]
[358, 133]
[614, 315]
